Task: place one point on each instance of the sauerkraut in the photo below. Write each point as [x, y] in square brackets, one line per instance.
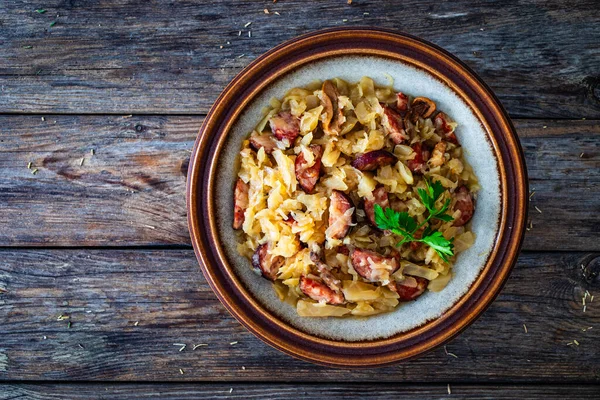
[311, 173]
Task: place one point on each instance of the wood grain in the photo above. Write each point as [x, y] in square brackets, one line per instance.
[129, 311]
[294, 391]
[166, 57]
[131, 190]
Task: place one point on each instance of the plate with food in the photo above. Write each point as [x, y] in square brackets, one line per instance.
[356, 197]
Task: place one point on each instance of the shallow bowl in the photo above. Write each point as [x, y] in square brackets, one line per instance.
[491, 147]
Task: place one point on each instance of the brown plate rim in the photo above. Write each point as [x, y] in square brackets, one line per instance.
[279, 61]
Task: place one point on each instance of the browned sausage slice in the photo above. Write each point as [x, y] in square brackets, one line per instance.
[410, 288]
[308, 175]
[402, 102]
[417, 164]
[265, 141]
[285, 126]
[372, 160]
[464, 203]
[319, 291]
[265, 263]
[240, 203]
[442, 125]
[392, 122]
[340, 219]
[380, 197]
[373, 266]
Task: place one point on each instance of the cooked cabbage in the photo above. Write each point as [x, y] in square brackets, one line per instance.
[295, 224]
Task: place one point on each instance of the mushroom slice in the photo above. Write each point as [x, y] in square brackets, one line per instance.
[334, 116]
[421, 107]
[374, 159]
[240, 203]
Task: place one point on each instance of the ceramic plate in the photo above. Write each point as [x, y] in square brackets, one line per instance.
[416, 68]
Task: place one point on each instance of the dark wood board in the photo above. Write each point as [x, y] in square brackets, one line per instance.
[105, 292]
[164, 57]
[131, 191]
[294, 391]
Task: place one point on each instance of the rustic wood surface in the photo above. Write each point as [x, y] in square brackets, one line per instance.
[139, 166]
[127, 309]
[104, 244]
[293, 391]
[540, 57]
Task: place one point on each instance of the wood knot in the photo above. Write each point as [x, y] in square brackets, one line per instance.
[139, 128]
[592, 84]
[591, 271]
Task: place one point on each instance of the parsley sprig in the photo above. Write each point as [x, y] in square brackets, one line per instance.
[402, 224]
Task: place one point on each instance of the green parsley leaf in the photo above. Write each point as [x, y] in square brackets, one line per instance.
[52, 24]
[440, 244]
[40, 11]
[406, 222]
[402, 224]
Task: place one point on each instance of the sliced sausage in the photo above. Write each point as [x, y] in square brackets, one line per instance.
[417, 164]
[372, 160]
[267, 264]
[240, 203]
[442, 126]
[410, 288]
[464, 203]
[380, 197]
[414, 246]
[340, 215]
[437, 156]
[373, 266]
[343, 249]
[285, 126]
[265, 141]
[320, 292]
[325, 273]
[334, 116]
[392, 122]
[308, 175]
[402, 102]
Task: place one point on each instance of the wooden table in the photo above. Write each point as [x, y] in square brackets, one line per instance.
[100, 292]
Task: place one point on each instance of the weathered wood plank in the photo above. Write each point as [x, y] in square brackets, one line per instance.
[165, 57]
[131, 190]
[127, 309]
[295, 391]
